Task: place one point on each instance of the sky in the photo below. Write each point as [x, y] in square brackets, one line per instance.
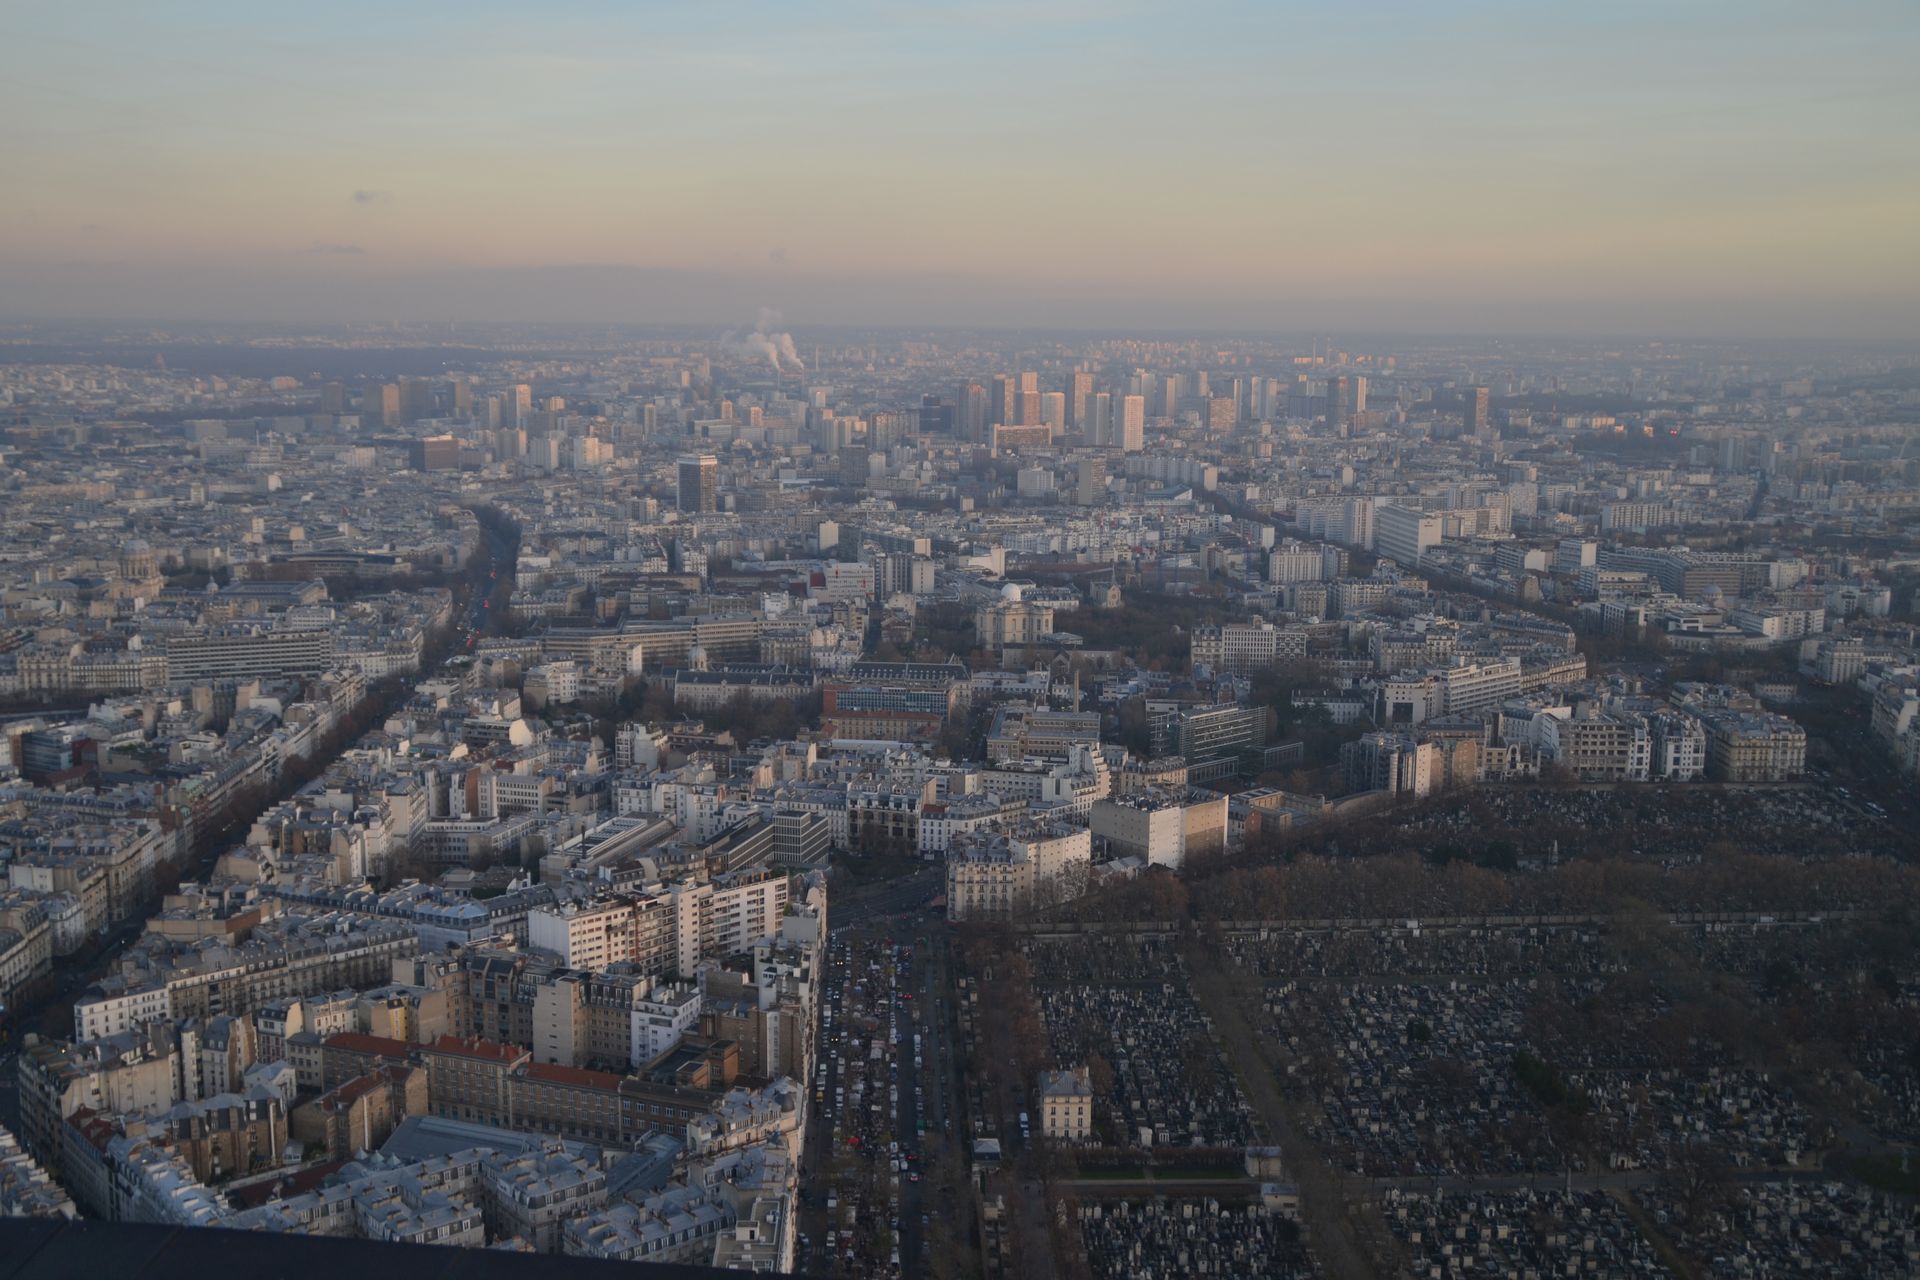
[1690, 167]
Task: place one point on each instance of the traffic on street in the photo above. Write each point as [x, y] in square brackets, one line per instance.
[884, 1145]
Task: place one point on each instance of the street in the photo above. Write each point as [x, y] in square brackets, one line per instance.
[883, 1124]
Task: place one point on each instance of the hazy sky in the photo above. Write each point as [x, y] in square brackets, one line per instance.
[1684, 166]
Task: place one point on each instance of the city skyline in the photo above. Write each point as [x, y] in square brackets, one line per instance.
[1710, 172]
[1073, 639]
[607, 795]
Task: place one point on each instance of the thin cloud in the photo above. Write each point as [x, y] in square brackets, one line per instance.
[367, 196]
[328, 246]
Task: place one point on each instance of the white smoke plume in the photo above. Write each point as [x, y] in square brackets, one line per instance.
[765, 341]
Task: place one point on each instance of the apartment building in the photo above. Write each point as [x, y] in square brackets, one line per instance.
[1066, 1104]
[1679, 746]
[1842, 660]
[467, 1079]
[679, 1225]
[944, 821]
[738, 909]
[885, 819]
[285, 958]
[1753, 746]
[135, 1073]
[1599, 746]
[1208, 733]
[26, 942]
[1162, 826]
[532, 1195]
[1472, 687]
[252, 651]
[994, 875]
[594, 933]
[1069, 788]
[886, 710]
[1391, 762]
[1298, 562]
[1247, 646]
[1405, 534]
[361, 1113]
[1896, 710]
[1021, 733]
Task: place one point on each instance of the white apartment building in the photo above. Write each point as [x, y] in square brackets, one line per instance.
[112, 1012]
[675, 927]
[1296, 563]
[1246, 646]
[248, 652]
[992, 875]
[555, 682]
[1679, 746]
[1391, 762]
[847, 581]
[1780, 624]
[744, 907]
[661, 1019]
[637, 746]
[1571, 555]
[1404, 534]
[1635, 516]
[1348, 521]
[1599, 746]
[1073, 787]
[987, 880]
[943, 821]
[1841, 661]
[1479, 686]
[1411, 698]
[1162, 825]
[585, 935]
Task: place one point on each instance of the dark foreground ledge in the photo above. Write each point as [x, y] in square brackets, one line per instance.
[53, 1249]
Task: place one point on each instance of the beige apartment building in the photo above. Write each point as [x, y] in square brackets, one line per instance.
[1753, 746]
[1066, 1104]
[993, 875]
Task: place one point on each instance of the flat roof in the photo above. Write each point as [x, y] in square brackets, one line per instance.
[579, 1077]
[361, 1042]
[420, 1138]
